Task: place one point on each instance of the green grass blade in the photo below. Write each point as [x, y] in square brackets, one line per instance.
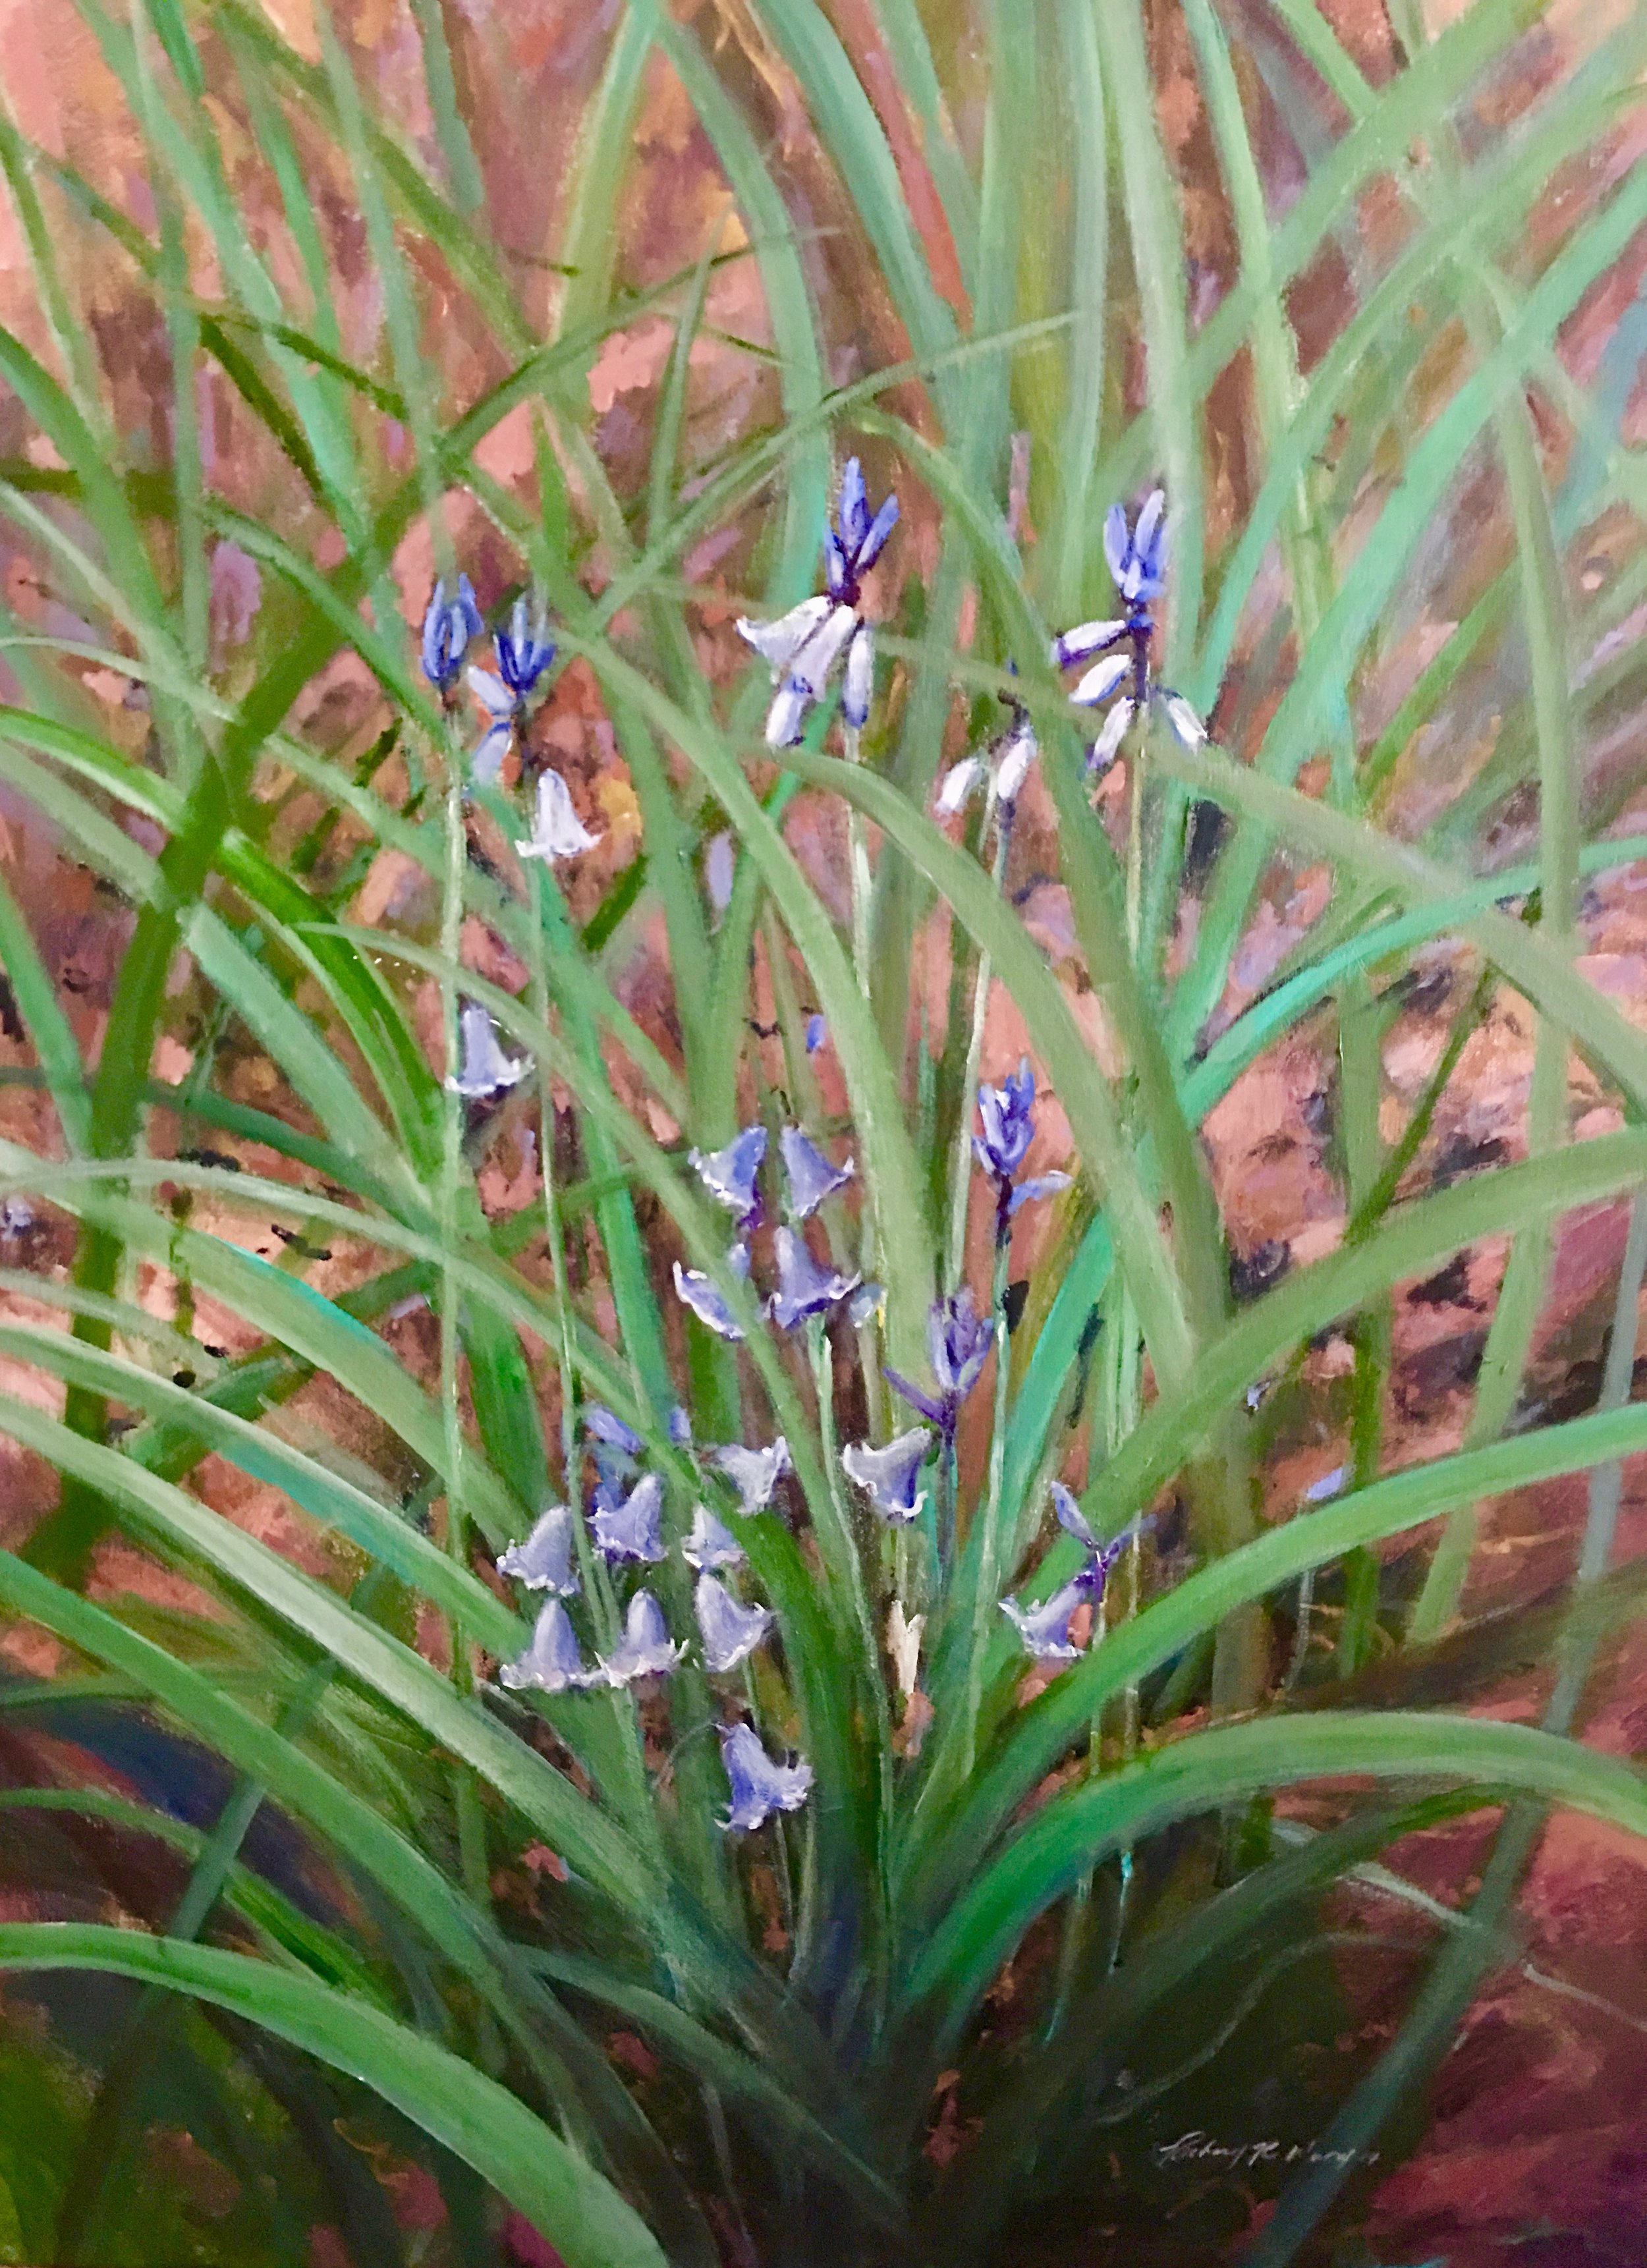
[481, 2122]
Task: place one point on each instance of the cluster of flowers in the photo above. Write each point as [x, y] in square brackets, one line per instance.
[1046, 1628]
[1116, 655]
[805, 1287]
[523, 651]
[626, 1529]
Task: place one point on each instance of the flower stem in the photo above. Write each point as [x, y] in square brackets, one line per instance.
[961, 1181]
[987, 1583]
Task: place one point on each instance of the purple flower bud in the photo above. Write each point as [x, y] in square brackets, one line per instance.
[810, 1174]
[759, 1787]
[754, 1472]
[680, 1428]
[804, 1288]
[890, 1478]
[958, 1340]
[730, 1631]
[1137, 556]
[552, 1663]
[818, 1033]
[712, 1544]
[524, 650]
[543, 1561]
[644, 1650]
[1045, 1630]
[1009, 1122]
[631, 1527]
[447, 627]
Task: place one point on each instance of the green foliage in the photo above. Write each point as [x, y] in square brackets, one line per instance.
[500, 1934]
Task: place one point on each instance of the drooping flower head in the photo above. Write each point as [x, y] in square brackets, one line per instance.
[604, 1425]
[552, 1663]
[448, 625]
[804, 1287]
[1005, 765]
[759, 1787]
[629, 1527]
[644, 1650]
[543, 1561]
[695, 1289]
[754, 1472]
[557, 832]
[711, 1545]
[485, 1069]
[730, 1631]
[891, 1476]
[1045, 1630]
[810, 1176]
[731, 1175]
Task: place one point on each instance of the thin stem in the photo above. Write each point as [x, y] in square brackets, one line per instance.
[989, 1572]
[961, 1181]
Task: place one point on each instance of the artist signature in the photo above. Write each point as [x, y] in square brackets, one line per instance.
[1202, 2149]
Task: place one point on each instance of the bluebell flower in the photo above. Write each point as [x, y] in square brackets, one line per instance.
[557, 832]
[447, 627]
[644, 1650]
[810, 1174]
[804, 1288]
[712, 1544]
[485, 1069]
[754, 1472]
[543, 1561]
[680, 1428]
[552, 1663]
[730, 1631]
[602, 1424]
[890, 1477]
[629, 1527]
[759, 1787]
[1045, 1630]
[695, 1289]
[804, 645]
[1005, 767]
[818, 1033]
[731, 1175]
